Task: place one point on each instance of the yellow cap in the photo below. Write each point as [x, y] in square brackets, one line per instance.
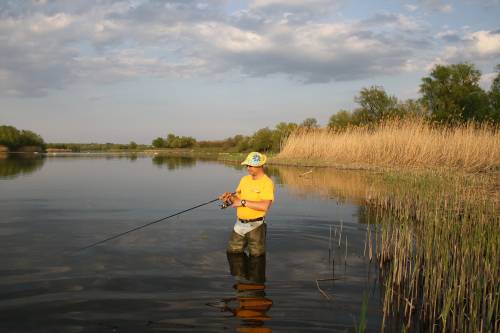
[255, 159]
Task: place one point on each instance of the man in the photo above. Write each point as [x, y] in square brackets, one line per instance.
[252, 199]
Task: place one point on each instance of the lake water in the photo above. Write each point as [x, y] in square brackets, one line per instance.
[174, 276]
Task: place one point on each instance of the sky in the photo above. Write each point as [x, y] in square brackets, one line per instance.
[121, 71]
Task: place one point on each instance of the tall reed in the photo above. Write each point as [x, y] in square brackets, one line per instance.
[439, 251]
[401, 143]
[438, 248]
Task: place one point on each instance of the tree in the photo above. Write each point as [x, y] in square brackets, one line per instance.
[452, 94]
[281, 132]
[376, 104]
[494, 97]
[132, 145]
[341, 119]
[14, 138]
[309, 123]
[158, 142]
[262, 140]
[174, 141]
[413, 108]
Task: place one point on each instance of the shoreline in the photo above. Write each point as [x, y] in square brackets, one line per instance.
[273, 160]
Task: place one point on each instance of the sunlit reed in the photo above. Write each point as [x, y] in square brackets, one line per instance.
[402, 144]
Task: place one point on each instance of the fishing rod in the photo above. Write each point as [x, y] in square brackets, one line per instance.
[225, 204]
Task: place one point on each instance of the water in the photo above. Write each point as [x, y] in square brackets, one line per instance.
[173, 276]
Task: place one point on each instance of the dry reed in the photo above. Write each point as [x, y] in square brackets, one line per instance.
[402, 144]
[439, 251]
[438, 243]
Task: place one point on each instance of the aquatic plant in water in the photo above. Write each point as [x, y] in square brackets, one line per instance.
[437, 242]
[438, 251]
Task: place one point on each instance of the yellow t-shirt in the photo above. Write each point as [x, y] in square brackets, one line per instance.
[254, 190]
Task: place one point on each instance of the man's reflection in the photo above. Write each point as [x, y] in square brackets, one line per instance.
[250, 303]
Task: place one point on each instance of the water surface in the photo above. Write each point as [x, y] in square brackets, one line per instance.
[173, 276]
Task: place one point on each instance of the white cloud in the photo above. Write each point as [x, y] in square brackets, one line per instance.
[478, 47]
[486, 80]
[411, 8]
[486, 43]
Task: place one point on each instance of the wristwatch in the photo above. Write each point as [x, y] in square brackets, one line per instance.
[243, 203]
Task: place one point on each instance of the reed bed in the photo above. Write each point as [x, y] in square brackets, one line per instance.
[439, 251]
[437, 247]
[399, 143]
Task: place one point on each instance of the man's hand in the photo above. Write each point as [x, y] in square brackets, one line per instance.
[227, 196]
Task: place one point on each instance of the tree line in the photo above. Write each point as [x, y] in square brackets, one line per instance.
[108, 146]
[265, 139]
[14, 139]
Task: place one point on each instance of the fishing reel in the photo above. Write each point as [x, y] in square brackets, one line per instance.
[227, 200]
[225, 204]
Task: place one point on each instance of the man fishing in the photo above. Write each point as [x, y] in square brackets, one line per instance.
[252, 199]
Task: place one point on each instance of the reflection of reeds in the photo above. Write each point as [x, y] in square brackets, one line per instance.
[340, 184]
[438, 245]
[398, 144]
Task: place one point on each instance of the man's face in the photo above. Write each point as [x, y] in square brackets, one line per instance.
[254, 171]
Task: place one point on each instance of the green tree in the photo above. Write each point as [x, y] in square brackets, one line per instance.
[494, 97]
[14, 138]
[339, 120]
[452, 94]
[262, 140]
[174, 141]
[376, 105]
[309, 123]
[280, 133]
[132, 145]
[243, 144]
[9, 136]
[413, 108]
[158, 142]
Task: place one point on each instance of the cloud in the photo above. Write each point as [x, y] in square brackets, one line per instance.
[485, 43]
[307, 7]
[487, 80]
[393, 22]
[438, 5]
[411, 8]
[314, 52]
[50, 44]
[476, 47]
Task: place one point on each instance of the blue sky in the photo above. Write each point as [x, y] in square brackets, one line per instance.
[120, 71]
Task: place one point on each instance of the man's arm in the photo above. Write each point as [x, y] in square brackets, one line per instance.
[262, 205]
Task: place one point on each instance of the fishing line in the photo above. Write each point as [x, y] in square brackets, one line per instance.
[145, 225]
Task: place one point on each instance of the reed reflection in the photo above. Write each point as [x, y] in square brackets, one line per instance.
[250, 303]
[327, 182]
